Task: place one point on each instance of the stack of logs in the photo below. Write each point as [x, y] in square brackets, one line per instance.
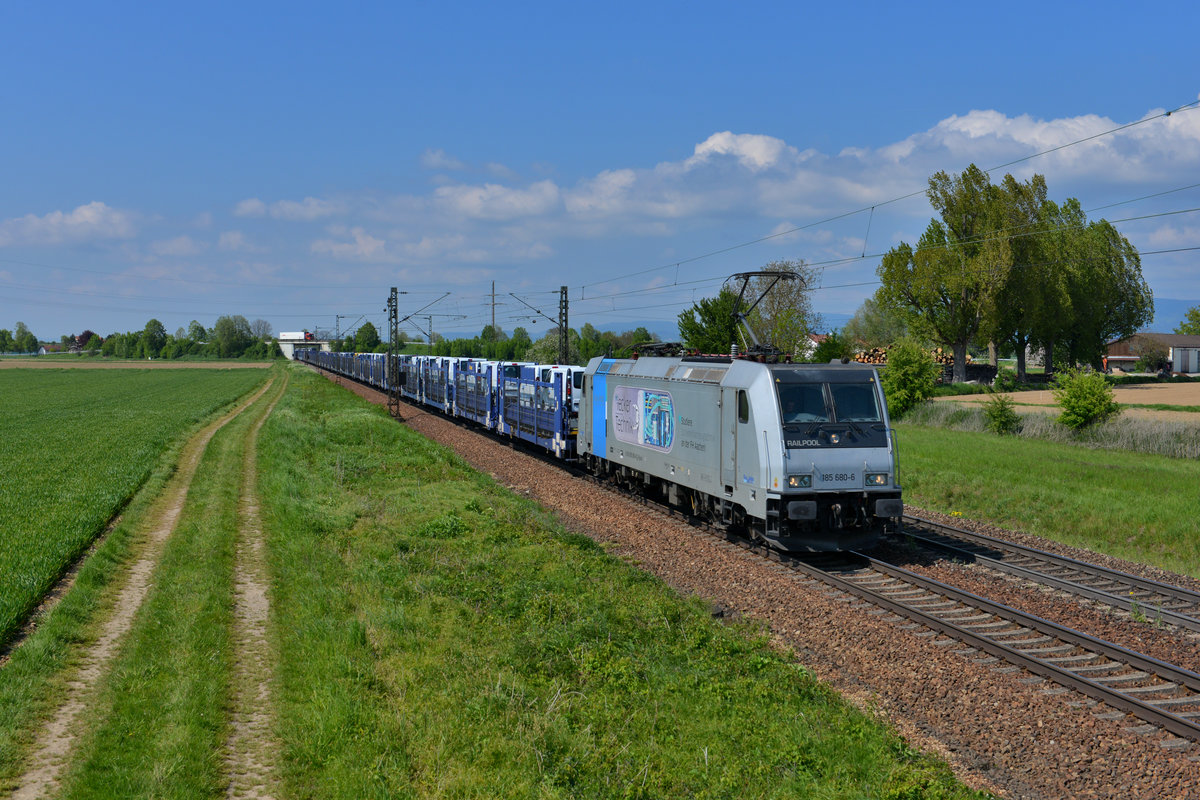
[878, 355]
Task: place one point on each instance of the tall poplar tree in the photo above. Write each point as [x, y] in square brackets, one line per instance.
[946, 287]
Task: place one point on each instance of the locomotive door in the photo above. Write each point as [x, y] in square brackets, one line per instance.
[729, 425]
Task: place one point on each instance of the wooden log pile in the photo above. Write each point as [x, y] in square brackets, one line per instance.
[878, 355]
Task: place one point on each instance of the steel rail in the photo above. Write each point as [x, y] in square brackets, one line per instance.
[1147, 588]
[1144, 710]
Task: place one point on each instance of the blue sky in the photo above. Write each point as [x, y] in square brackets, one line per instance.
[291, 162]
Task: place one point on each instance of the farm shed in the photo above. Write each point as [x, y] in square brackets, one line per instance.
[1183, 351]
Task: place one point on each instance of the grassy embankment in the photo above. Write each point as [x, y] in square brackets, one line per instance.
[442, 637]
[1137, 506]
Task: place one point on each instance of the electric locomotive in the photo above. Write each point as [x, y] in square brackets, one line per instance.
[800, 455]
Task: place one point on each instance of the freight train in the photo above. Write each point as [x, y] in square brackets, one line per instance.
[801, 456]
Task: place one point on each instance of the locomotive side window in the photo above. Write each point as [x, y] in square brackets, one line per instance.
[855, 402]
[743, 406]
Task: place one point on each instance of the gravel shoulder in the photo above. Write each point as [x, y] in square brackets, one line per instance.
[1002, 730]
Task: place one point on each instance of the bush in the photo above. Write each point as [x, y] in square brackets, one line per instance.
[1085, 397]
[1006, 381]
[1002, 417]
[909, 377]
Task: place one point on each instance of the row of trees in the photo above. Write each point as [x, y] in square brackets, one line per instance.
[1001, 267]
[1005, 265]
[231, 337]
[20, 340]
[495, 344]
[582, 345]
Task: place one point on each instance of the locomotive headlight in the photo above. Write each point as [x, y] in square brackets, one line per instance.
[834, 438]
[799, 481]
[877, 479]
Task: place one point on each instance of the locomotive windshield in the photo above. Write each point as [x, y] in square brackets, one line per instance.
[854, 402]
[803, 402]
[829, 408]
[828, 402]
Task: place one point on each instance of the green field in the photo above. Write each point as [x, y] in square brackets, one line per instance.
[76, 445]
[1137, 506]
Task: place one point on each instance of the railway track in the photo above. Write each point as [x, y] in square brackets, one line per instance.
[1120, 681]
[1141, 597]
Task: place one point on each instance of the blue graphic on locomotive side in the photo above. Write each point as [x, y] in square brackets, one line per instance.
[658, 420]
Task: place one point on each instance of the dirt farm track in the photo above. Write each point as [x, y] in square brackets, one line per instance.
[1170, 394]
[96, 363]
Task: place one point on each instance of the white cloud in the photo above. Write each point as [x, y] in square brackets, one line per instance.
[1170, 236]
[236, 242]
[495, 202]
[363, 246]
[753, 151]
[306, 210]
[438, 159]
[607, 193]
[88, 222]
[784, 233]
[501, 172]
[251, 207]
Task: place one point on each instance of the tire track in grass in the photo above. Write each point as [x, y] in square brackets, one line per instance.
[251, 749]
[50, 754]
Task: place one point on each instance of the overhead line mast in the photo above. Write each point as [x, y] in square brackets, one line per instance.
[393, 358]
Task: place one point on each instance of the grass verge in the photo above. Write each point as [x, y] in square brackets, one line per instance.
[1136, 506]
[442, 637]
[1174, 439]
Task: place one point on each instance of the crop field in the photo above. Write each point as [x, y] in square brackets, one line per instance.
[74, 446]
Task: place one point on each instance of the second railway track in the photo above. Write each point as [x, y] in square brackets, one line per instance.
[1162, 695]
[1160, 602]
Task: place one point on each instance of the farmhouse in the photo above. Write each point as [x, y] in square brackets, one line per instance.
[1183, 351]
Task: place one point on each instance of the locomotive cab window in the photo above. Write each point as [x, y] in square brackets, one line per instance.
[743, 406]
[803, 402]
[855, 402]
